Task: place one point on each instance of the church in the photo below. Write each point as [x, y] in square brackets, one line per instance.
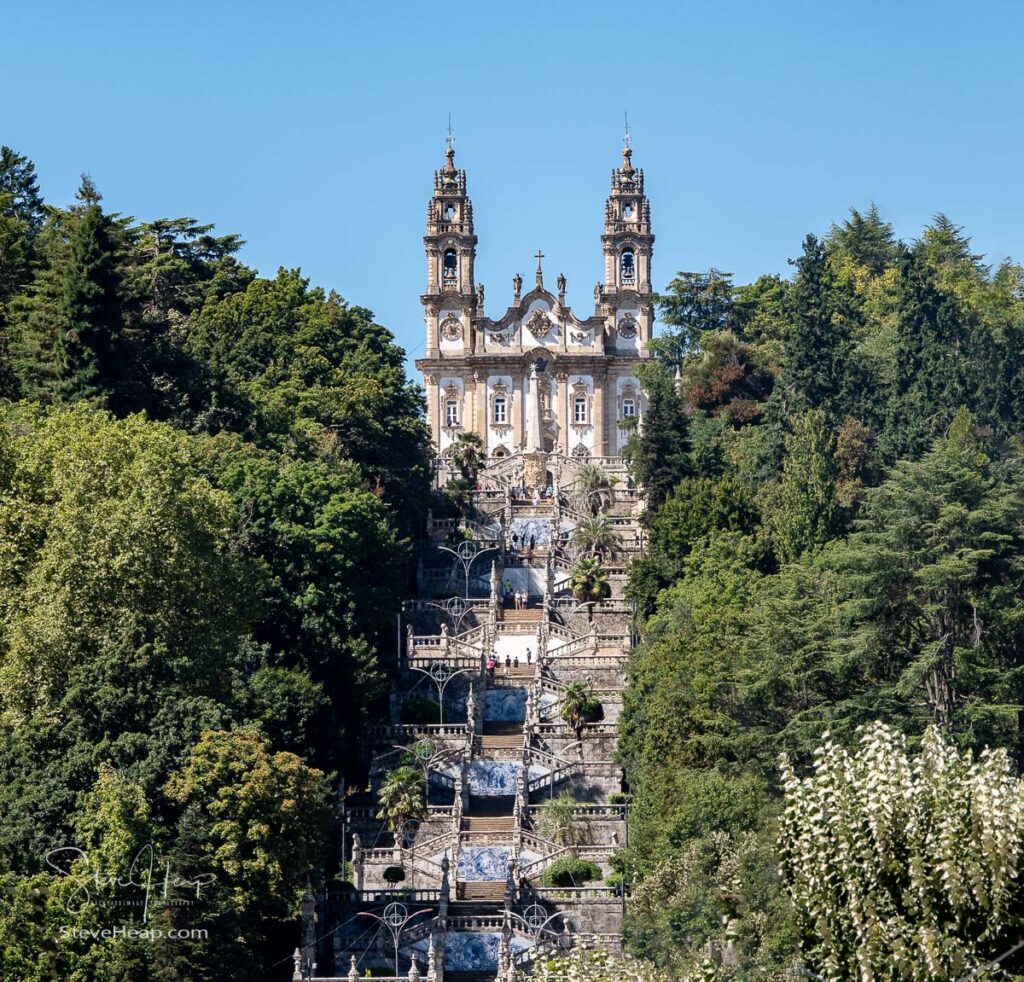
[537, 378]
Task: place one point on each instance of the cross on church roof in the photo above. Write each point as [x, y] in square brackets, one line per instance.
[540, 272]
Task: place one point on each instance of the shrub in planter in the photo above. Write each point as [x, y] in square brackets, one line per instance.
[618, 798]
[570, 872]
[394, 874]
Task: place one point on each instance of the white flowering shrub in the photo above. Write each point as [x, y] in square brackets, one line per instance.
[903, 868]
[592, 965]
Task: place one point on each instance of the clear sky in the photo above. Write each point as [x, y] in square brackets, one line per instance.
[312, 129]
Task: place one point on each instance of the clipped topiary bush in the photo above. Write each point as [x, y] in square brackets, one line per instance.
[394, 874]
[570, 871]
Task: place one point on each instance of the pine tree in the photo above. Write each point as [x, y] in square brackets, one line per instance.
[88, 355]
[818, 371]
[933, 344]
[659, 454]
[867, 239]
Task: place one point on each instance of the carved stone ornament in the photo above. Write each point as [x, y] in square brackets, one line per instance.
[580, 337]
[451, 328]
[539, 324]
[581, 451]
[627, 326]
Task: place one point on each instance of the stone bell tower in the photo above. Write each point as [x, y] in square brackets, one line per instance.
[628, 244]
[537, 377]
[450, 299]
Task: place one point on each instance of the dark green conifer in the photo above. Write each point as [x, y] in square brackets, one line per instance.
[89, 362]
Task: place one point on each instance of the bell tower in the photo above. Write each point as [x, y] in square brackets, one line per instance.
[628, 244]
[450, 244]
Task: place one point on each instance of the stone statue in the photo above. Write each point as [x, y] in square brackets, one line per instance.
[480, 297]
[561, 285]
[517, 287]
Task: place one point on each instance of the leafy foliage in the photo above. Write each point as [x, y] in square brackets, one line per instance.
[901, 868]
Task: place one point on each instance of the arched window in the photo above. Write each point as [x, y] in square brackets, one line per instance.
[628, 408]
[579, 409]
[500, 409]
[450, 266]
[451, 412]
[628, 266]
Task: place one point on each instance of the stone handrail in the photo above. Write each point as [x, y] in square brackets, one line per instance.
[591, 811]
[403, 730]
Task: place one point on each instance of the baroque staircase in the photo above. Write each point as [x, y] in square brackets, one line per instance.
[473, 886]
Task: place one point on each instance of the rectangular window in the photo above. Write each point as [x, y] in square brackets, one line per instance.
[579, 410]
[500, 410]
[628, 408]
[451, 412]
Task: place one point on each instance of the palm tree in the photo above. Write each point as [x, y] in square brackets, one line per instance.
[468, 455]
[580, 706]
[401, 798]
[593, 536]
[560, 821]
[595, 489]
[588, 580]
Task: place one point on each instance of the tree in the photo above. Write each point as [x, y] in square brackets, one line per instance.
[695, 304]
[594, 536]
[561, 821]
[867, 239]
[588, 580]
[901, 867]
[21, 218]
[89, 357]
[401, 798]
[659, 452]
[580, 706]
[263, 815]
[594, 490]
[818, 367]
[802, 512]
[468, 455]
[933, 566]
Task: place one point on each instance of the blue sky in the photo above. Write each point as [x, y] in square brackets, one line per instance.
[312, 129]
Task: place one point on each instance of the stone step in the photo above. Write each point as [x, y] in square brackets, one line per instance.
[488, 823]
[503, 729]
[470, 976]
[482, 890]
[520, 671]
[490, 805]
[491, 741]
[526, 614]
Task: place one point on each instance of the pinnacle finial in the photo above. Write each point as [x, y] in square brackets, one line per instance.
[540, 271]
[627, 139]
[450, 146]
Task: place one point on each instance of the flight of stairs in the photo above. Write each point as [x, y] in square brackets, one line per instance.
[488, 823]
[482, 891]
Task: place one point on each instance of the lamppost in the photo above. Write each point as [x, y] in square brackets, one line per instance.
[440, 674]
[395, 917]
[466, 553]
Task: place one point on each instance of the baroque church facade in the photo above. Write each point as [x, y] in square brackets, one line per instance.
[537, 378]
